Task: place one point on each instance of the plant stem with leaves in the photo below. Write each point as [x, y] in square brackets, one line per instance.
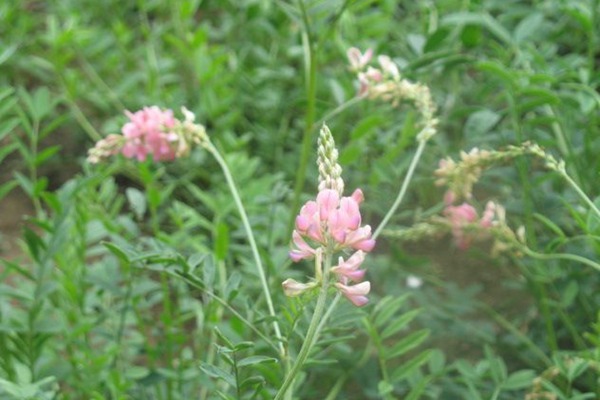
[246, 223]
[316, 322]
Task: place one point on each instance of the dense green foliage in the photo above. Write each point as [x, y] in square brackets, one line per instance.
[135, 280]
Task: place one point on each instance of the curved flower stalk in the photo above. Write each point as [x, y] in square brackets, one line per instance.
[328, 226]
[384, 82]
[155, 132]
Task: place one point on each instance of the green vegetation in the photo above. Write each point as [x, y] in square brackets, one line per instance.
[138, 280]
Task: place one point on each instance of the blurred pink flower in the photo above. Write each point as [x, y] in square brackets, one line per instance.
[459, 217]
[150, 132]
[357, 59]
[464, 217]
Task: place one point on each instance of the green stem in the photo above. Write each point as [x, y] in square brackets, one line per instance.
[200, 286]
[311, 98]
[517, 332]
[560, 256]
[401, 193]
[579, 191]
[259, 266]
[337, 110]
[311, 334]
[328, 313]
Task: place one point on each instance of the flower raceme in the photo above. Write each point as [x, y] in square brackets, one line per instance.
[153, 132]
[332, 224]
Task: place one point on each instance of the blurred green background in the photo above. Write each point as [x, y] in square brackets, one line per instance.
[260, 75]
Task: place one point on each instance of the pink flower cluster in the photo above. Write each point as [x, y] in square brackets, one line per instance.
[331, 221]
[464, 215]
[150, 131]
[333, 224]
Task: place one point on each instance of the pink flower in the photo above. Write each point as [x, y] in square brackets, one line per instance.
[350, 268]
[331, 221]
[357, 59]
[459, 217]
[488, 215]
[150, 132]
[388, 66]
[293, 288]
[332, 224]
[303, 250]
[465, 217]
[357, 294]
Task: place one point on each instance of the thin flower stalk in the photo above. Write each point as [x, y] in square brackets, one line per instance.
[385, 82]
[257, 260]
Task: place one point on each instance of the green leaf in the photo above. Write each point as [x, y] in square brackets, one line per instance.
[399, 323]
[482, 19]
[7, 126]
[221, 240]
[499, 70]
[576, 367]
[243, 346]
[209, 271]
[252, 360]
[406, 344]
[46, 154]
[5, 188]
[252, 381]
[519, 380]
[366, 127]
[195, 260]
[407, 368]
[549, 224]
[137, 201]
[387, 307]
[480, 122]
[120, 253]
[436, 40]
[437, 361]
[569, 294]
[215, 372]
[593, 221]
[528, 27]
[25, 183]
[135, 372]
[233, 283]
[384, 388]
[224, 338]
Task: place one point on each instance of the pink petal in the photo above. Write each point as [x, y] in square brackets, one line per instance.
[327, 200]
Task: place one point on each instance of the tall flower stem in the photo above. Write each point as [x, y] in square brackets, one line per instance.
[560, 256]
[259, 266]
[402, 192]
[579, 191]
[311, 334]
